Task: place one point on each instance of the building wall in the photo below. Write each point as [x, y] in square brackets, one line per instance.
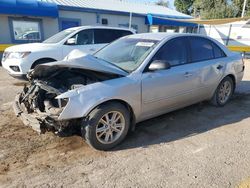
[85, 17]
[113, 20]
[49, 27]
[5, 37]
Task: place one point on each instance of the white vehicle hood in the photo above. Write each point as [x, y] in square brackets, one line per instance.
[87, 62]
[29, 47]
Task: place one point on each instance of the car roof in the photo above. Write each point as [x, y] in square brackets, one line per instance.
[162, 35]
[165, 36]
[100, 27]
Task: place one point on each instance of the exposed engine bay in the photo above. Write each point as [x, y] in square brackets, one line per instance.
[38, 99]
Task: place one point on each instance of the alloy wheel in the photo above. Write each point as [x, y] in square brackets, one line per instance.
[110, 127]
[225, 92]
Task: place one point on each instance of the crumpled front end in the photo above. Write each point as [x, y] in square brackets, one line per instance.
[38, 105]
[38, 108]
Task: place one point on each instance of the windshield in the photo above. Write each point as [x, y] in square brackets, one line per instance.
[59, 36]
[127, 53]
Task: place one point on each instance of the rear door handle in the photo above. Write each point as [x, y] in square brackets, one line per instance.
[187, 74]
[219, 67]
[92, 49]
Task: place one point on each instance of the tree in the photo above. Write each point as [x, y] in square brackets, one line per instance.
[184, 6]
[215, 9]
[239, 5]
[164, 3]
[212, 9]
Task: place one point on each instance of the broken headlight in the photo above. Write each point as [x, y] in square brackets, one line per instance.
[62, 102]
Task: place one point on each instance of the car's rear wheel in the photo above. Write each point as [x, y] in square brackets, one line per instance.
[107, 126]
[223, 92]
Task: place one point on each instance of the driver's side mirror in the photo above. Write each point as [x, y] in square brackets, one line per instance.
[71, 41]
[159, 65]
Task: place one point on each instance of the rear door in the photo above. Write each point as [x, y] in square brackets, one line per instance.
[164, 90]
[208, 60]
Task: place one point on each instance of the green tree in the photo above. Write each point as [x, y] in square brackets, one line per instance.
[239, 5]
[164, 3]
[184, 6]
[212, 9]
[215, 9]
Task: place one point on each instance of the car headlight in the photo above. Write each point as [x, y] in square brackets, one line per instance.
[15, 55]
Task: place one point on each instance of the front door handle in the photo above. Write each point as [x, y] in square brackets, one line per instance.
[219, 67]
[187, 74]
[92, 49]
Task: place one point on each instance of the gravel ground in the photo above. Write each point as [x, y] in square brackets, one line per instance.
[198, 146]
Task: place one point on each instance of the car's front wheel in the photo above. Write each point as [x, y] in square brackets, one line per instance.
[107, 126]
[223, 92]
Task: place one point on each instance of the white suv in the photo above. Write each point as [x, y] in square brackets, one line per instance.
[19, 59]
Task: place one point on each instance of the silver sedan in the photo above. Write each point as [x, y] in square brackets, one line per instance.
[132, 79]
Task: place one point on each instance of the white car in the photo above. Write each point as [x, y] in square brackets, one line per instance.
[19, 59]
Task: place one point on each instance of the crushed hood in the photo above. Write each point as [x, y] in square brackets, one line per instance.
[86, 62]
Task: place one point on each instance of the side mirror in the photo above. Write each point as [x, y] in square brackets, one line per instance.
[71, 41]
[159, 65]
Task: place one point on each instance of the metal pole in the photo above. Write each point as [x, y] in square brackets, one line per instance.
[244, 7]
[209, 30]
[229, 33]
[130, 20]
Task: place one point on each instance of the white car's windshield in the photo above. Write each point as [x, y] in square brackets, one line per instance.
[59, 36]
[127, 53]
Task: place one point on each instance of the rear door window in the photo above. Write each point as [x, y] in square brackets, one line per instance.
[218, 53]
[201, 49]
[103, 36]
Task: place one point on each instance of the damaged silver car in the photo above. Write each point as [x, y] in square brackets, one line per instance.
[132, 79]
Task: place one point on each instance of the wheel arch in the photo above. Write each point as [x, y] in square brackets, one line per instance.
[124, 103]
[233, 78]
[41, 60]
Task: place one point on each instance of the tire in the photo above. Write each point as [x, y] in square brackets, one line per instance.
[221, 97]
[95, 130]
[41, 61]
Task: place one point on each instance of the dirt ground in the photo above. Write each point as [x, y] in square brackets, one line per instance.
[199, 146]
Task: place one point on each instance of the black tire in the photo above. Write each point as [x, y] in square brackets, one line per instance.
[216, 101]
[41, 61]
[90, 128]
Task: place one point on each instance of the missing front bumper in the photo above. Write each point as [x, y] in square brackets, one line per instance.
[41, 122]
[28, 119]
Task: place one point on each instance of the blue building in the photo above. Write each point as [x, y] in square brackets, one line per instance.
[23, 21]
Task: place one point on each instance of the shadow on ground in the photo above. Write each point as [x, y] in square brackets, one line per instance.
[190, 121]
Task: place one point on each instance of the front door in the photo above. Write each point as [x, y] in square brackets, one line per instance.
[164, 90]
[84, 41]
